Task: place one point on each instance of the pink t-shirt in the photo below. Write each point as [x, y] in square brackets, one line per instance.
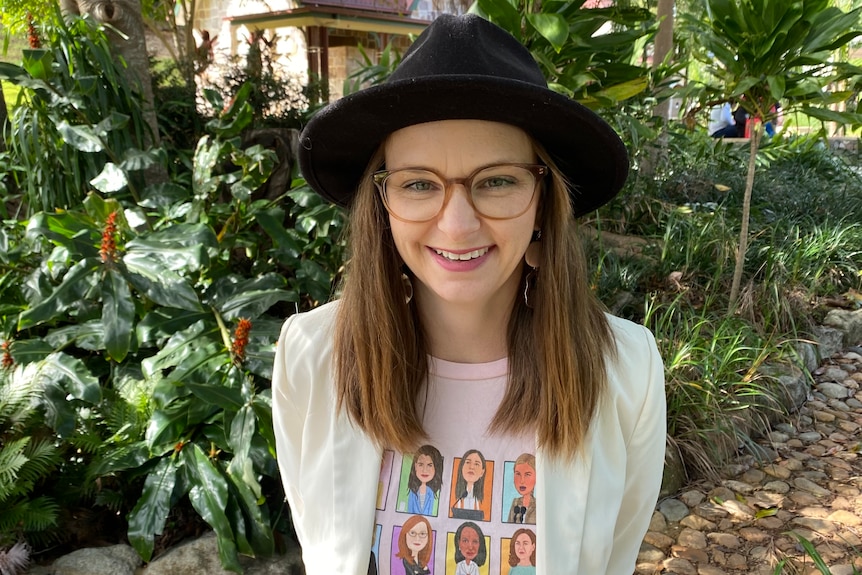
[462, 498]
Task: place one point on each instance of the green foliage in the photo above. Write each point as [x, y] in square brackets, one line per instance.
[590, 55]
[157, 319]
[76, 108]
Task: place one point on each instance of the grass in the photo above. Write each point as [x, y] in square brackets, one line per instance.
[805, 249]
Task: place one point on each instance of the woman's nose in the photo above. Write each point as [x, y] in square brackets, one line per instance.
[458, 217]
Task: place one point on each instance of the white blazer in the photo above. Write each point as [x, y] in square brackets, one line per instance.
[603, 500]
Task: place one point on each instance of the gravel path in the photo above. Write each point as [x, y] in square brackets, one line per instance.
[813, 487]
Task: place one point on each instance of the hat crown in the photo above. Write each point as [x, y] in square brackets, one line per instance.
[467, 45]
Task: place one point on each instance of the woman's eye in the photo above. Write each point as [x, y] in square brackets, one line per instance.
[498, 182]
[419, 186]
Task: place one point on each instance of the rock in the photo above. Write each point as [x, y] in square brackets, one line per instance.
[833, 373]
[810, 487]
[200, 557]
[849, 323]
[809, 437]
[113, 560]
[833, 390]
[673, 509]
[674, 475]
[829, 341]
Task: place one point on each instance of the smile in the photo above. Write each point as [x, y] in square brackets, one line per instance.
[462, 257]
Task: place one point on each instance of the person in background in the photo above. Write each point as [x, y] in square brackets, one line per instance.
[721, 124]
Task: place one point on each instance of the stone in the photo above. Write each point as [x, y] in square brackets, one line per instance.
[710, 570]
[692, 497]
[809, 436]
[697, 522]
[777, 487]
[829, 340]
[849, 323]
[693, 555]
[822, 526]
[673, 509]
[113, 560]
[753, 534]
[778, 471]
[650, 554]
[834, 390]
[845, 518]
[753, 476]
[658, 540]
[737, 486]
[832, 374]
[823, 416]
[778, 437]
[786, 428]
[810, 486]
[692, 538]
[658, 522]
[727, 540]
[200, 556]
[679, 565]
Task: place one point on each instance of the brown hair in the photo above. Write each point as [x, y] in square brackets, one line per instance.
[404, 552]
[557, 349]
[413, 483]
[513, 558]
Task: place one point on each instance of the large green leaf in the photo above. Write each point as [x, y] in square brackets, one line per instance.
[73, 374]
[181, 247]
[69, 292]
[224, 397]
[148, 517]
[161, 323]
[165, 287]
[26, 351]
[209, 497]
[83, 138]
[552, 27]
[118, 314]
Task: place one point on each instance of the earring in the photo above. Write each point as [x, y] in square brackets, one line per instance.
[408, 287]
[533, 257]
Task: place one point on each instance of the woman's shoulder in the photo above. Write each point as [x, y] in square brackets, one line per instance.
[631, 339]
[637, 364]
[309, 326]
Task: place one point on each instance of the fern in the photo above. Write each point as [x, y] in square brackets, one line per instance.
[12, 459]
[25, 515]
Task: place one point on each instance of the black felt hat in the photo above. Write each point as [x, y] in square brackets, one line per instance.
[463, 67]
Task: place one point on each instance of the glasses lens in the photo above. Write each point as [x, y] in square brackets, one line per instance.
[497, 192]
[414, 195]
[502, 191]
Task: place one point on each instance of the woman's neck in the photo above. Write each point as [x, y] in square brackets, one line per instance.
[465, 334]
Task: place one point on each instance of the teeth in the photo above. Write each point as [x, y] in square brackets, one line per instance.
[462, 257]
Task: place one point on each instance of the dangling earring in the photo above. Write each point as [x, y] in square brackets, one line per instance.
[408, 287]
[533, 257]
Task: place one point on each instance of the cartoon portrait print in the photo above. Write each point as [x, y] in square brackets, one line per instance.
[469, 548]
[523, 506]
[385, 479]
[522, 552]
[414, 547]
[472, 473]
[423, 475]
[375, 547]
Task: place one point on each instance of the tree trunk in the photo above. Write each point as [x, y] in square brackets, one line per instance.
[662, 47]
[756, 133]
[125, 16]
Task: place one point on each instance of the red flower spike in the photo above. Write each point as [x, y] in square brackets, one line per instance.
[240, 339]
[33, 34]
[7, 362]
[108, 251]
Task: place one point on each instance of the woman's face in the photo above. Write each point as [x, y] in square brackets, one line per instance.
[468, 544]
[525, 478]
[417, 538]
[473, 469]
[524, 548]
[460, 257]
[424, 468]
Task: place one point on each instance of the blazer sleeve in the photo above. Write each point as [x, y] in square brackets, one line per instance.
[288, 420]
[645, 451]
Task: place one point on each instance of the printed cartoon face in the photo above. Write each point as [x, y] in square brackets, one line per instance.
[417, 538]
[424, 468]
[525, 478]
[473, 469]
[524, 548]
[468, 544]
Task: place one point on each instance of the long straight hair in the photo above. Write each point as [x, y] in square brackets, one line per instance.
[557, 349]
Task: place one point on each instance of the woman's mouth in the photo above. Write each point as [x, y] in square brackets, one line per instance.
[467, 256]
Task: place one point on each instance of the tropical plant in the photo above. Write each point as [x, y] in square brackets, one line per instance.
[592, 55]
[766, 51]
[76, 108]
[161, 314]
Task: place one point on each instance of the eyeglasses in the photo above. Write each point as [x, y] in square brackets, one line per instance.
[419, 534]
[497, 192]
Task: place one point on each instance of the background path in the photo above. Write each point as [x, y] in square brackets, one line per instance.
[742, 523]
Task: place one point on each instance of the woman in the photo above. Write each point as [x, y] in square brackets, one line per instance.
[522, 553]
[470, 549]
[425, 480]
[523, 508]
[466, 317]
[415, 546]
[470, 486]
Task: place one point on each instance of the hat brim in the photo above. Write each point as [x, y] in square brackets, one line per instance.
[338, 142]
